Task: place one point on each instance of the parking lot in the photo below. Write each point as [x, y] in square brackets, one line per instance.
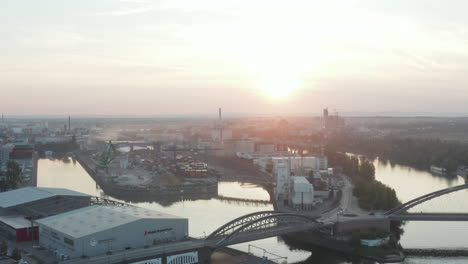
[31, 252]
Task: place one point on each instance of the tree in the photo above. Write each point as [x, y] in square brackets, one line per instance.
[3, 248]
[16, 254]
[13, 175]
[3, 185]
[367, 169]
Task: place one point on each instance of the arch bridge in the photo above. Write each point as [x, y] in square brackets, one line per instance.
[260, 225]
[400, 212]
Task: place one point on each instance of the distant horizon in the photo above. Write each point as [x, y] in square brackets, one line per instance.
[180, 57]
[230, 115]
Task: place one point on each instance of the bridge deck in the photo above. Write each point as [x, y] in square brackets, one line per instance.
[429, 217]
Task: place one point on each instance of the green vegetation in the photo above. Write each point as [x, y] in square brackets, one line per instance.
[375, 195]
[11, 178]
[3, 248]
[417, 153]
[372, 195]
[16, 254]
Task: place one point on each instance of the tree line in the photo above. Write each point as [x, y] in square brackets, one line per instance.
[417, 153]
[371, 194]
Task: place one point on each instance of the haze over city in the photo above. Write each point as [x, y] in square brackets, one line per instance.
[233, 132]
[138, 57]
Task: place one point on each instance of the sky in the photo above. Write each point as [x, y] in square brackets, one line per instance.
[141, 57]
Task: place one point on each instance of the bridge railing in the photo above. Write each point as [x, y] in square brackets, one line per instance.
[410, 204]
[261, 225]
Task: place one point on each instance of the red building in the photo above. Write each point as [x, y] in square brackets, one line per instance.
[22, 152]
[18, 207]
[18, 228]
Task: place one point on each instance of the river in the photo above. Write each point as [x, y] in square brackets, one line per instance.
[207, 215]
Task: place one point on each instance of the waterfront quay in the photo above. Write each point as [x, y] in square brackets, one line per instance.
[205, 187]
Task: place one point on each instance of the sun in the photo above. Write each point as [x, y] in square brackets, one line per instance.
[278, 66]
[278, 87]
[279, 76]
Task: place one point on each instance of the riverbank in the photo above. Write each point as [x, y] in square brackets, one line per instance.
[436, 252]
[307, 240]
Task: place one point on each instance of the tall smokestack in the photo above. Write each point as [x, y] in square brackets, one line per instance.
[220, 125]
[69, 123]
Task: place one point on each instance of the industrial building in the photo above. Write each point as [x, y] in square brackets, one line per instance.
[265, 147]
[18, 208]
[303, 165]
[298, 164]
[71, 224]
[282, 179]
[302, 193]
[96, 230]
[22, 151]
[296, 191]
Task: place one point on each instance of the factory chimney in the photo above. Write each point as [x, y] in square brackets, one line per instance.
[220, 125]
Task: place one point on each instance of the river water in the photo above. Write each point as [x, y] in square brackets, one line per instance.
[207, 215]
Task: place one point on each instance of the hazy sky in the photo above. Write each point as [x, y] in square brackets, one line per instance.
[259, 56]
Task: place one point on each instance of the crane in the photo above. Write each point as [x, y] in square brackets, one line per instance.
[107, 156]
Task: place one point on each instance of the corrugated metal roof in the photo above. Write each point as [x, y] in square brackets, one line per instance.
[31, 194]
[97, 218]
[15, 221]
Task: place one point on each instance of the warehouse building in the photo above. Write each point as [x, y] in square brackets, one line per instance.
[98, 229]
[17, 228]
[18, 208]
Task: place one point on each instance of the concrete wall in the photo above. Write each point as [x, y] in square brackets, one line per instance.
[347, 227]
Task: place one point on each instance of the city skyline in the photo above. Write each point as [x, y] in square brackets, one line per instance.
[153, 58]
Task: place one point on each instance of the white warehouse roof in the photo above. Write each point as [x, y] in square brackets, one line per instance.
[300, 180]
[301, 184]
[15, 221]
[98, 218]
[31, 194]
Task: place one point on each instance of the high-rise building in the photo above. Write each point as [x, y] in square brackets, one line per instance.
[282, 173]
[325, 113]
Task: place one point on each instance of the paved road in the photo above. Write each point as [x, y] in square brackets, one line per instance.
[349, 204]
[347, 193]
